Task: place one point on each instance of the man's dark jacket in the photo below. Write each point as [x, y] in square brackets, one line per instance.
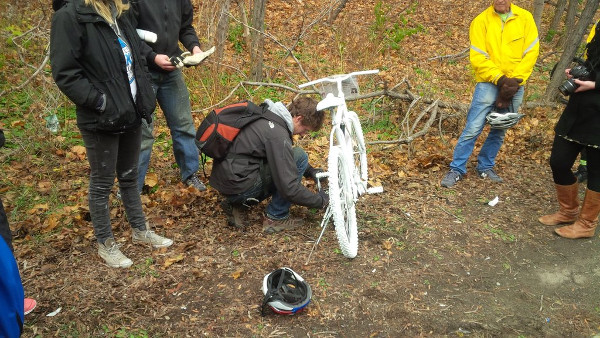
[171, 21]
[87, 61]
[269, 141]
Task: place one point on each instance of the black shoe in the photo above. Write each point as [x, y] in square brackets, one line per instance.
[236, 215]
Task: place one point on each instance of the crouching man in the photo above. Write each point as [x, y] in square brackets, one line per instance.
[263, 162]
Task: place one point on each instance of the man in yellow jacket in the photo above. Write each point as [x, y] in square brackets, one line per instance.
[504, 48]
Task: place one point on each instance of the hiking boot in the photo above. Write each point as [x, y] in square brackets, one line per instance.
[451, 178]
[491, 174]
[581, 173]
[150, 237]
[272, 226]
[195, 182]
[236, 216]
[109, 251]
[28, 305]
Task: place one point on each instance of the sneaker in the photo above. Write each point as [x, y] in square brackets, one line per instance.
[272, 226]
[195, 182]
[236, 216]
[491, 174]
[150, 237]
[581, 173]
[451, 178]
[29, 305]
[109, 251]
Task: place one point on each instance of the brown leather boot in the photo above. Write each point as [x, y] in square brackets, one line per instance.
[585, 226]
[568, 202]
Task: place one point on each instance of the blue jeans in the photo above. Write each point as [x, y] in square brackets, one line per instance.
[109, 153]
[483, 101]
[174, 100]
[278, 208]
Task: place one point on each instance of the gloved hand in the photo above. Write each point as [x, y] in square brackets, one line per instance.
[325, 198]
[507, 88]
[194, 60]
[311, 172]
[177, 60]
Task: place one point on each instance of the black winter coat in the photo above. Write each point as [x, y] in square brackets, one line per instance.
[87, 61]
[171, 20]
[270, 142]
[580, 120]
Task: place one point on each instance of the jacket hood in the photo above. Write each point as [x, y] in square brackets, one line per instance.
[280, 109]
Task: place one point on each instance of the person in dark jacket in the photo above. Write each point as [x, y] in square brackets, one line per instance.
[96, 62]
[266, 164]
[172, 21]
[577, 130]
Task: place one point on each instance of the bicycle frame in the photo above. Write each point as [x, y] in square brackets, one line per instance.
[347, 177]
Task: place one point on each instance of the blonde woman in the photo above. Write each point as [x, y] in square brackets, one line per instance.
[95, 56]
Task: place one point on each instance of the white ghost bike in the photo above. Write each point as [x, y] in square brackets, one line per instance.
[347, 161]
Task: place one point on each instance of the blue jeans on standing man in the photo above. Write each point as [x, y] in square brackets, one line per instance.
[278, 208]
[483, 101]
[174, 100]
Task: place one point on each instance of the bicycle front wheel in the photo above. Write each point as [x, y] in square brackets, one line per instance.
[359, 150]
[342, 202]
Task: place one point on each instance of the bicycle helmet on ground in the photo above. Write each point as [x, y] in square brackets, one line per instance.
[503, 120]
[285, 292]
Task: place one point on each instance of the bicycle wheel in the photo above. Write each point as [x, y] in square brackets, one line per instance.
[359, 150]
[342, 202]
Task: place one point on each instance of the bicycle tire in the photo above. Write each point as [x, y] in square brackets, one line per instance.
[359, 150]
[342, 202]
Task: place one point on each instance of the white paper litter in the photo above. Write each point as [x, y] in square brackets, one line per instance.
[54, 313]
[493, 202]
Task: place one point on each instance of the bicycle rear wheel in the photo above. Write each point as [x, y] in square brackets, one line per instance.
[342, 202]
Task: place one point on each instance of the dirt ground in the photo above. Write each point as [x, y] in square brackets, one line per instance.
[431, 262]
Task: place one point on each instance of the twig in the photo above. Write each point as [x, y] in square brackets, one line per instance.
[37, 71]
[460, 55]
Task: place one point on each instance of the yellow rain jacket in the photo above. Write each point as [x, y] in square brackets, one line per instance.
[510, 48]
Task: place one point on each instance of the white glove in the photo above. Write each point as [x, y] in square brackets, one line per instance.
[194, 60]
[177, 60]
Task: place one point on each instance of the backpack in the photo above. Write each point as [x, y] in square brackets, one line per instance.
[221, 126]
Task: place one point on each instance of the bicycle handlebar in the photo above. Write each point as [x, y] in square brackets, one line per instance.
[339, 78]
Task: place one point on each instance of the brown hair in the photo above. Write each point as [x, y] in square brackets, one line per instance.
[307, 108]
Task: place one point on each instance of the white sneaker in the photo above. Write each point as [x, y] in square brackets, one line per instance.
[109, 251]
[150, 237]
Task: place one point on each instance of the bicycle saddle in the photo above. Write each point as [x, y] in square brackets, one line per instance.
[329, 101]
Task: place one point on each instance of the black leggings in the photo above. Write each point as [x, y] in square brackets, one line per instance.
[564, 153]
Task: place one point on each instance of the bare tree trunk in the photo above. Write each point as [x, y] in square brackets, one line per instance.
[569, 23]
[244, 19]
[222, 28]
[538, 8]
[558, 13]
[257, 38]
[573, 41]
[337, 11]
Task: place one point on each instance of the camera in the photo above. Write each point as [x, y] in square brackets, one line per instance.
[569, 86]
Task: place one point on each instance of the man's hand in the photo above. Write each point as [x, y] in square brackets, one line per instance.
[312, 173]
[507, 88]
[163, 62]
[325, 198]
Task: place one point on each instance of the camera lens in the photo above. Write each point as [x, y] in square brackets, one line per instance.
[568, 87]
